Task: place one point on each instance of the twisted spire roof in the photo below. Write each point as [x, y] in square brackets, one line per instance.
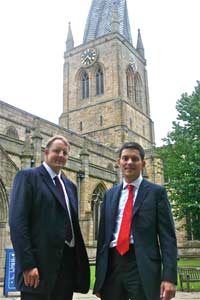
[100, 19]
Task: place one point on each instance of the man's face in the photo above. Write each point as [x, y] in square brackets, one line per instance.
[57, 155]
[131, 164]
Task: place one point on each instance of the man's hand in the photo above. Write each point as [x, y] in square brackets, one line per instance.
[167, 290]
[31, 277]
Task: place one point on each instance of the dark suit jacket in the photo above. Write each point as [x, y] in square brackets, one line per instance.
[37, 225]
[153, 234]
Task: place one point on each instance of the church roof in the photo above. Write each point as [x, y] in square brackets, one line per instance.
[100, 18]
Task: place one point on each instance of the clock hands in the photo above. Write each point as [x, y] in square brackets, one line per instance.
[88, 56]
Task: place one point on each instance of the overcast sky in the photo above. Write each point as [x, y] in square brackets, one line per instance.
[32, 44]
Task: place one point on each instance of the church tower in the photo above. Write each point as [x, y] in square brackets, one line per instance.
[105, 87]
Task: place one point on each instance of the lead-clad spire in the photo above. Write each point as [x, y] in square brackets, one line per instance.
[100, 19]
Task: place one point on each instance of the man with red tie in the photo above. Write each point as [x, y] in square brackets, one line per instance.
[51, 259]
[136, 251]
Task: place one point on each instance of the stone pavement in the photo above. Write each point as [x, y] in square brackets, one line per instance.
[179, 296]
[89, 296]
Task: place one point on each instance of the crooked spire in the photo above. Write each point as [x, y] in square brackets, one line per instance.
[140, 47]
[102, 20]
[70, 39]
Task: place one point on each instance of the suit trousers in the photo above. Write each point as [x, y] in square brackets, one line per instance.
[122, 280]
[64, 284]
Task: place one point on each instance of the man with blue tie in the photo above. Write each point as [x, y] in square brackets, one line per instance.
[136, 251]
[51, 259]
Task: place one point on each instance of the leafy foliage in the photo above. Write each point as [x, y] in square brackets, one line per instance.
[181, 157]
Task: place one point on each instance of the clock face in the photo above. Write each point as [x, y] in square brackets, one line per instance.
[88, 57]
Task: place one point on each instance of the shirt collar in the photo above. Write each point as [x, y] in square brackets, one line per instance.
[50, 171]
[136, 183]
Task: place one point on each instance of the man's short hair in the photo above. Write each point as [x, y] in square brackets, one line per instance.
[57, 137]
[132, 145]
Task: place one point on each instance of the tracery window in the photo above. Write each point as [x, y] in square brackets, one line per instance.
[99, 82]
[130, 83]
[138, 90]
[97, 198]
[85, 85]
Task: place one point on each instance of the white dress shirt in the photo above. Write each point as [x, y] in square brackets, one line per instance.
[122, 202]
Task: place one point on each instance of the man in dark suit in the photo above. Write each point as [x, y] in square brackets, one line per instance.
[136, 252]
[51, 259]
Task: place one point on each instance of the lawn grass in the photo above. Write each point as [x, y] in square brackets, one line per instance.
[181, 263]
[189, 263]
[92, 276]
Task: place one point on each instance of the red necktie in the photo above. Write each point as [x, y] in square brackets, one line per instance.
[123, 240]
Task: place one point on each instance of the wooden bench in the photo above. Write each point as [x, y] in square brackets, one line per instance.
[188, 274]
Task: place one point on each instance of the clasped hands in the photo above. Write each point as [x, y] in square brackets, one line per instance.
[31, 277]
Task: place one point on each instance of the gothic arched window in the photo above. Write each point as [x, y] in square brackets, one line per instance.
[12, 132]
[3, 222]
[85, 85]
[97, 198]
[130, 83]
[138, 90]
[3, 203]
[99, 82]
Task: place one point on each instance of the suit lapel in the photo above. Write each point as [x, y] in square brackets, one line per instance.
[111, 210]
[115, 200]
[113, 203]
[143, 189]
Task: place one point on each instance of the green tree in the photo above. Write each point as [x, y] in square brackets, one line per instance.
[181, 157]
